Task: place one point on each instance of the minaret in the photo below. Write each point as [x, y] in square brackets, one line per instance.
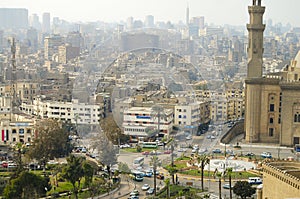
[187, 19]
[253, 90]
[255, 46]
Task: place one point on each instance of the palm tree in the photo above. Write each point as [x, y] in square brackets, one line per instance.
[172, 171]
[229, 172]
[155, 162]
[202, 161]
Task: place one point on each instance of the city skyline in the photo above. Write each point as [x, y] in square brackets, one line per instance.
[117, 10]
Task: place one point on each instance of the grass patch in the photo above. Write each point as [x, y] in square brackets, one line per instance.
[176, 190]
[134, 150]
[237, 175]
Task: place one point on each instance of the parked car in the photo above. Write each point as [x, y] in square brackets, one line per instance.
[249, 154]
[182, 150]
[145, 187]
[150, 191]
[217, 151]
[145, 153]
[167, 152]
[134, 193]
[226, 186]
[266, 155]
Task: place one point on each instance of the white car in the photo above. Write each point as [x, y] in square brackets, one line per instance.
[145, 187]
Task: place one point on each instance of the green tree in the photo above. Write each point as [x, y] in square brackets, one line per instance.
[88, 171]
[155, 162]
[73, 172]
[51, 141]
[27, 185]
[243, 189]
[202, 161]
[172, 171]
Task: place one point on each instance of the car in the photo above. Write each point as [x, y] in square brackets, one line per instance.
[189, 137]
[167, 152]
[217, 151]
[123, 146]
[134, 193]
[202, 151]
[148, 174]
[182, 150]
[145, 187]
[133, 197]
[145, 153]
[249, 154]
[226, 186]
[150, 191]
[266, 155]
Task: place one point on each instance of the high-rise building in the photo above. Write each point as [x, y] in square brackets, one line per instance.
[129, 23]
[34, 21]
[46, 22]
[75, 39]
[187, 17]
[149, 21]
[67, 52]
[13, 18]
[32, 38]
[51, 45]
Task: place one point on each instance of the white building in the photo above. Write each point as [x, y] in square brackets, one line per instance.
[74, 112]
[137, 120]
[187, 115]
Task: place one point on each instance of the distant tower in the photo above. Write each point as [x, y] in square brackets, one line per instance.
[187, 19]
[46, 22]
[255, 46]
[13, 86]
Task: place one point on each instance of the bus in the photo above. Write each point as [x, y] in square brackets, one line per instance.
[152, 145]
[137, 175]
[138, 162]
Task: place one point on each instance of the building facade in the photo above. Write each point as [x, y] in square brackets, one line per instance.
[139, 120]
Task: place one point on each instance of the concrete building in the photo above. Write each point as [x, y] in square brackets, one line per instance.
[51, 44]
[74, 112]
[139, 120]
[46, 28]
[188, 116]
[149, 21]
[272, 104]
[67, 52]
[281, 180]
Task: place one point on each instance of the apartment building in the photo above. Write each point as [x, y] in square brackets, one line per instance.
[139, 121]
[74, 112]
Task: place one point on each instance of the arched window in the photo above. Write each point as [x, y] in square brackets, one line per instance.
[295, 117]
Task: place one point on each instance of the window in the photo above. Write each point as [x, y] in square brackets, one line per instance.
[271, 120]
[21, 131]
[272, 108]
[271, 132]
[14, 131]
[179, 116]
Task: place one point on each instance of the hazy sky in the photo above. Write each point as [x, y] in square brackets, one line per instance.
[215, 11]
